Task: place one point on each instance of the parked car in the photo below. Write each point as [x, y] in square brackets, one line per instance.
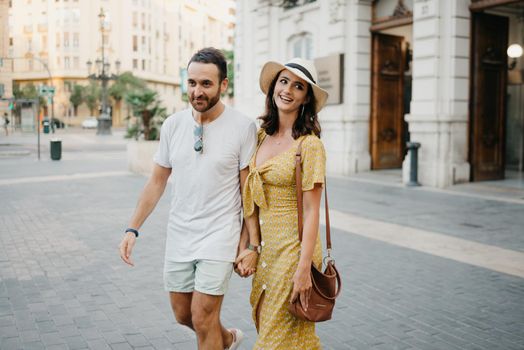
[90, 123]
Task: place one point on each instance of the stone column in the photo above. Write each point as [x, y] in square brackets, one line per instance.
[252, 49]
[439, 106]
[353, 150]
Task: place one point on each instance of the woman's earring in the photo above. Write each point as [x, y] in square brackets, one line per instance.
[302, 113]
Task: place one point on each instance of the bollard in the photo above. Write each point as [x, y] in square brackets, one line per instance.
[413, 160]
[56, 149]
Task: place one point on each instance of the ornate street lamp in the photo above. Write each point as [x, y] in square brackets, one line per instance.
[103, 74]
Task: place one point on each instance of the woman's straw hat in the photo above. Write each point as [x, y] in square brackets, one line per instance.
[302, 68]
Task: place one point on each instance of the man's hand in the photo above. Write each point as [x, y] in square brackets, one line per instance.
[246, 263]
[126, 247]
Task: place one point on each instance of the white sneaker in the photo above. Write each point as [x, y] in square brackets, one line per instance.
[238, 337]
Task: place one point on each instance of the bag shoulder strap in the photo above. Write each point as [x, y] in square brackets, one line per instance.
[300, 201]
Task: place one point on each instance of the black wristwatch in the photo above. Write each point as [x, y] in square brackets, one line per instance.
[132, 230]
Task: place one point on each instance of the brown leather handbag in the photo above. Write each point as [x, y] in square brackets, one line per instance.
[327, 284]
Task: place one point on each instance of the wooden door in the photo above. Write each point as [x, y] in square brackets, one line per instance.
[488, 96]
[387, 112]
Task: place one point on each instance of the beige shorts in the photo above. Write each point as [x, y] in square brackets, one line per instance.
[205, 276]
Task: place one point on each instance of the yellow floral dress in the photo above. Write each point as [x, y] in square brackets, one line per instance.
[271, 187]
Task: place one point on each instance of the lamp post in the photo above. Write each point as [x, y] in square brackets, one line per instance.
[103, 74]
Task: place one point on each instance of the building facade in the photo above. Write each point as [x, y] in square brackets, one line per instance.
[153, 39]
[5, 72]
[434, 72]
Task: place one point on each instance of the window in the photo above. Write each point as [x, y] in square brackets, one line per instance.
[58, 63]
[143, 21]
[29, 44]
[135, 43]
[44, 43]
[143, 44]
[76, 63]
[66, 39]
[143, 64]
[67, 86]
[76, 39]
[67, 64]
[11, 41]
[135, 20]
[301, 46]
[135, 63]
[75, 14]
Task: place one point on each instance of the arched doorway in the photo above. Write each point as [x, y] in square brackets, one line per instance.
[390, 82]
[496, 124]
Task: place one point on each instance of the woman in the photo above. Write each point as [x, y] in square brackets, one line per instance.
[293, 100]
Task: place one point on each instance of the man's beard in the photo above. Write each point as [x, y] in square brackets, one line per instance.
[211, 102]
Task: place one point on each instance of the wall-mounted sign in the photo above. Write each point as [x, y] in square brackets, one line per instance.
[330, 71]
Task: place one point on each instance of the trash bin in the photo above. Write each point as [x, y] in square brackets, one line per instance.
[56, 149]
[45, 124]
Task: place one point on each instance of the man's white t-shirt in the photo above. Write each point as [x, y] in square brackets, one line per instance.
[205, 215]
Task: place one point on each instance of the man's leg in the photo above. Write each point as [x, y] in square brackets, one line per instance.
[206, 320]
[181, 306]
[179, 280]
[211, 283]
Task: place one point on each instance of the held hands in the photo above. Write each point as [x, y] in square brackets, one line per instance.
[126, 247]
[302, 286]
[246, 263]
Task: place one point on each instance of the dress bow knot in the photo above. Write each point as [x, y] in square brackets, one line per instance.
[254, 192]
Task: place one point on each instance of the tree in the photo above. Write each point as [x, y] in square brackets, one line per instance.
[146, 106]
[28, 91]
[92, 96]
[230, 58]
[77, 97]
[125, 83]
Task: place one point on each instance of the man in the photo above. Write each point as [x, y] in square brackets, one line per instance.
[207, 148]
[6, 124]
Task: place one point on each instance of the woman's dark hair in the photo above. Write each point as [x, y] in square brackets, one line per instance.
[305, 123]
[211, 55]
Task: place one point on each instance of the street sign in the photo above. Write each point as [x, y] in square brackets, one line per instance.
[45, 90]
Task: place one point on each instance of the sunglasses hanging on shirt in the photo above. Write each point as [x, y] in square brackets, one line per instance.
[198, 132]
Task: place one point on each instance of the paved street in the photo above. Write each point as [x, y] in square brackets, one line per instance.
[63, 286]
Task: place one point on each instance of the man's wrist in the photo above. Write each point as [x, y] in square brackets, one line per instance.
[133, 231]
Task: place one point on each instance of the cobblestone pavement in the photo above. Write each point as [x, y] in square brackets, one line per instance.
[63, 286]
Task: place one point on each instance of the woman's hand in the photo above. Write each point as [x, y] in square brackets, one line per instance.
[246, 263]
[302, 286]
